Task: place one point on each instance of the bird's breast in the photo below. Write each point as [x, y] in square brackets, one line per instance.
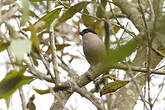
[93, 48]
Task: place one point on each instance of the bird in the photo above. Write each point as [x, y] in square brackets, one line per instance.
[93, 47]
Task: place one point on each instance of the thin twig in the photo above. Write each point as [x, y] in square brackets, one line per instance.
[53, 47]
[149, 71]
[121, 26]
[152, 11]
[157, 52]
[22, 96]
[160, 68]
[71, 73]
[143, 16]
[88, 95]
[136, 85]
[162, 84]
[47, 67]
[54, 55]
[138, 69]
[37, 73]
[148, 52]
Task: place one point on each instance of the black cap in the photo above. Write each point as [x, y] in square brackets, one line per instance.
[86, 31]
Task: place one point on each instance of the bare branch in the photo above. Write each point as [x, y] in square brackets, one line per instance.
[47, 67]
[37, 73]
[22, 99]
[83, 92]
[139, 69]
[54, 55]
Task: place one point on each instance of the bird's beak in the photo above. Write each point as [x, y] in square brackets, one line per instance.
[81, 33]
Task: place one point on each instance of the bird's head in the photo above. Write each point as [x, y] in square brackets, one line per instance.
[85, 31]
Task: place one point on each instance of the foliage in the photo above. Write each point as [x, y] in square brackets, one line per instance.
[112, 87]
[19, 47]
[3, 46]
[13, 80]
[27, 30]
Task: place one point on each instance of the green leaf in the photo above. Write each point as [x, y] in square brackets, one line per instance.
[39, 91]
[32, 13]
[3, 46]
[7, 100]
[113, 86]
[25, 12]
[121, 52]
[100, 12]
[35, 39]
[31, 105]
[87, 20]
[46, 20]
[99, 27]
[71, 11]
[56, 88]
[101, 9]
[19, 47]
[12, 81]
[34, 60]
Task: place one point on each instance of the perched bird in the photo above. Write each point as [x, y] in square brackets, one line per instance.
[93, 47]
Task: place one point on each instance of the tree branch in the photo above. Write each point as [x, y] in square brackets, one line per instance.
[54, 56]
[83, 92]
[22, 99]
[139, 69]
